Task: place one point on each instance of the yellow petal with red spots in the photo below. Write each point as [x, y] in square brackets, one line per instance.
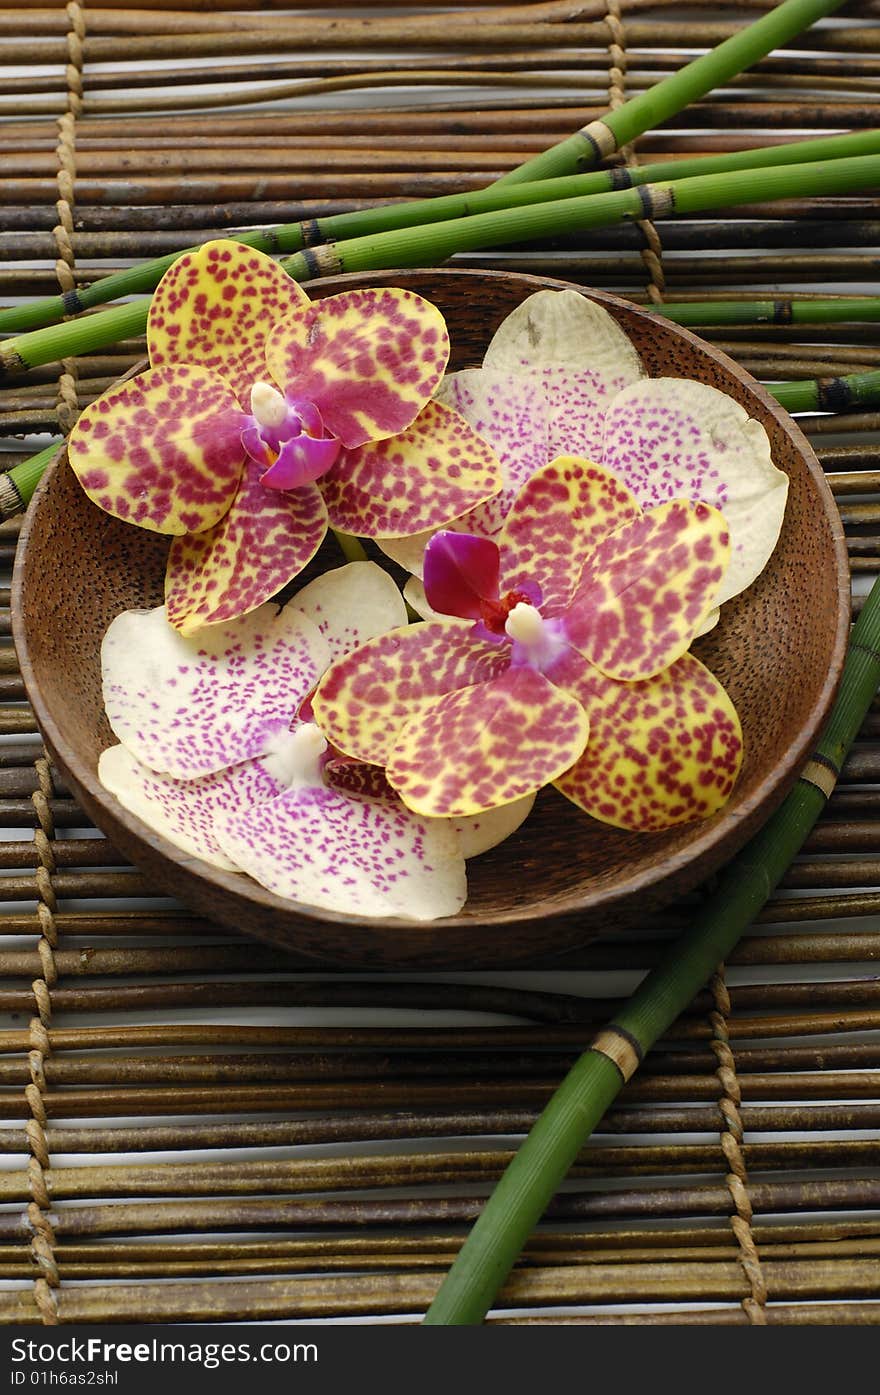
[366, 697]
[646, 589]
[215, 306]
[661, 752]
[162, 451]
[264, 541]
[487, 745]
[558, 517]
[429, 474]
[368, 359]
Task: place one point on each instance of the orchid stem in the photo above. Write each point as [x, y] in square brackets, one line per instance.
[351, 548]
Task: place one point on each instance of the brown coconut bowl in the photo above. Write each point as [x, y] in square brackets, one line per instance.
[563, 877]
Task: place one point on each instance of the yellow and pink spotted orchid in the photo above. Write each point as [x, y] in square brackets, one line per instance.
[263, 416]
[561, 377]
[560, 656]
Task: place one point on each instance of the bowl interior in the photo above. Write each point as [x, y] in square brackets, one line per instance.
[778, 650]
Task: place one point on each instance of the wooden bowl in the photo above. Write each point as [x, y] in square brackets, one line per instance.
[778, 649]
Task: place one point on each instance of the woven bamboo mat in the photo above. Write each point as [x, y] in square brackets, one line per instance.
[196, 1126]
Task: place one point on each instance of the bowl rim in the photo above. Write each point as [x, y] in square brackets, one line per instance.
[768, 794]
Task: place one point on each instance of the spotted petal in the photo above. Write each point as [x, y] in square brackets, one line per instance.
[672, 438]
[661, 752]
[430, 473]
[645, 590]
[364, 699]
[163, 451]
[264, 541]
[369, 360]
[214, 306]
[355, 856]
[563, 329]
[487, 745]
[559, 517]
[508, 410]
[185, 812]
[190, 707]
[350, 605]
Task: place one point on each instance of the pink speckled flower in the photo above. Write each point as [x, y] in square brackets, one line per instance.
[561, 378]
[263, 414]
[567, 663]
[214, 758]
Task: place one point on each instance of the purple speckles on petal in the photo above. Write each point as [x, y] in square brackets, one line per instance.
[365, 857]
[192, 706]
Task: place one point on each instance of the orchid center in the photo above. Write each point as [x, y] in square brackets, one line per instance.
[296, 757]
[536, 641]
[286, 435]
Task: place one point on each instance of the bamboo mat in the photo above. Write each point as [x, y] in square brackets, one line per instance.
[199, 1127]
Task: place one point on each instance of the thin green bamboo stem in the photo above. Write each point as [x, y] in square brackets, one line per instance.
[829, 394]
[783, 310]
[427, 245]
[585, 1095]
[293, 237]
[587, 147]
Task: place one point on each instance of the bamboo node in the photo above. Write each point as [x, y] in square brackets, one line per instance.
[620, 1048]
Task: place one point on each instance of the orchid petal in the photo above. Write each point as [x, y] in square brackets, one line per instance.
[190, 707]
[432, 472]
[369, 359]
[163, 451]
[184, 812]
[564, 329]
[350, 605]
[460, 572]
[484, 831]
[354, 856]
[672, 438]
[213, 307]
[364, 699]
[646, 589]
[409, 552]
[487, 745]
[476, 835]
[508, 410]
[560, 516]
[661, 752]
[263, 542]
[415, 598]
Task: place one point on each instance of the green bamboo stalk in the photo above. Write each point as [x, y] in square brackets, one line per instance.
[541, 1163]
[829, 394]
[425, 246]
[784, 310]
[428, 245]
[293, 237]
[595, 142]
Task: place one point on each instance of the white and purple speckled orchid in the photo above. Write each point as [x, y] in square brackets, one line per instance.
[264, 417]
[561, 378]
[214, 758]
